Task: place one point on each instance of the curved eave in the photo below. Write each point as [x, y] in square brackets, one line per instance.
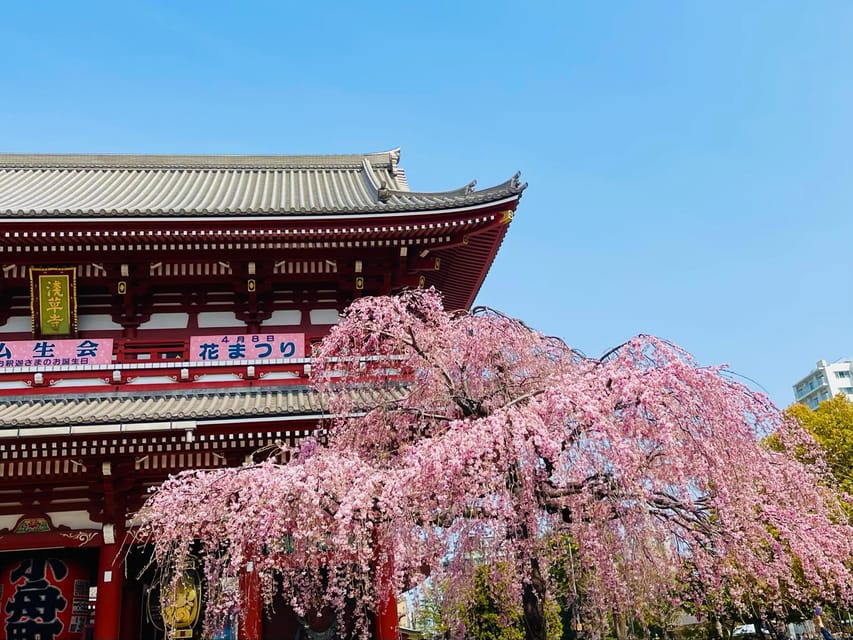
[399, 203]
[90, 231]
[110, 188]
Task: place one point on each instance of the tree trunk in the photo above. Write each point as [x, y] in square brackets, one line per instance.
[620, 625]
[756, 621]
[715, 628]
[533, 603]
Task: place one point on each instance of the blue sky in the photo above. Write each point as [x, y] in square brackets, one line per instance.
[689, 163]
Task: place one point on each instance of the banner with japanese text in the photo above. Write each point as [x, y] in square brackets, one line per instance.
[47, 352]
[53, 300]
[252, 346]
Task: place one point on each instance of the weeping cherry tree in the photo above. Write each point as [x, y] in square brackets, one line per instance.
[491, 441]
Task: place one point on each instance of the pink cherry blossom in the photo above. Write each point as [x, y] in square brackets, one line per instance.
[494, 441]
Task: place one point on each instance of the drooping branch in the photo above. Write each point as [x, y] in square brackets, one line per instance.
[504, 442]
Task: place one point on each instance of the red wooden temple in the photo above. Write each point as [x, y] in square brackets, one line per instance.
[157, 314]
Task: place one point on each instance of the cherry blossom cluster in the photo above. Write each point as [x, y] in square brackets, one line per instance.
[493, 441]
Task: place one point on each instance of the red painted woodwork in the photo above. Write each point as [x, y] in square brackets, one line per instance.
[251, 618]
[49, 539]
[110, 577]
[386, 621]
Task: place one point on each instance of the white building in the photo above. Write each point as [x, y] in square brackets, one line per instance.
[825, 382]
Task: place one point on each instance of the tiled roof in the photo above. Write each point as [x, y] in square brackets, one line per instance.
[145, 407]
[195, 186]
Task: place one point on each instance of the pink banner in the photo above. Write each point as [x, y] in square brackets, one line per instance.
[252, 346]
[47, 352]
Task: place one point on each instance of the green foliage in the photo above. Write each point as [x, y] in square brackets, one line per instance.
[831, 424]
[490, 612]
[553, 619]
[488, 608]
[431, 606]
[429, 619]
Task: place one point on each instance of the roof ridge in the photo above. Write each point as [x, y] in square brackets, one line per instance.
[377, 187]
[385, 159]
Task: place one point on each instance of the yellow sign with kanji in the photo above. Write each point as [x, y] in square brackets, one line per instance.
[54, 303]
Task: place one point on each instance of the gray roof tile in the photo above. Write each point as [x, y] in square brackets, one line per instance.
[74, 410]
[117, 185]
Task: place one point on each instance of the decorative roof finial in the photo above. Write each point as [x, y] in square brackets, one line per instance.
[395, 158]
[384, 193]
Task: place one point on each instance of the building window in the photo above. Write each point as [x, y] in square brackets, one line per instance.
[842, 374]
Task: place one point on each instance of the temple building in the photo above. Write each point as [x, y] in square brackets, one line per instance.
[157, 314]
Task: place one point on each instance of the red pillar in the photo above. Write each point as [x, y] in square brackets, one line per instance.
[251, 616]
[386, 619]
[108, 607]
[386, 614]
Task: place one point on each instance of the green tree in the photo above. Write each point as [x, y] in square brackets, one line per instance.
[491, 613]
[430, 606]
[488, 608]
[831, 424]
